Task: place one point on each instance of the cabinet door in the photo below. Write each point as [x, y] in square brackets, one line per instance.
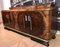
[31, 23]
[6, 18]
[38, 25]
[24, 22]
[20, 21]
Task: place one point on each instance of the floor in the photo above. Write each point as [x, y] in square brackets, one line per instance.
[11, 39]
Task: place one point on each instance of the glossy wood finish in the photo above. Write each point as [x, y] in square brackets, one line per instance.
[36, 23]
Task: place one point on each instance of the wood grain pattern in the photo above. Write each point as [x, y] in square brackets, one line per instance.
[40, 22]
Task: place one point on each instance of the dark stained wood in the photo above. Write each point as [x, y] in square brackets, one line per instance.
[39, 25]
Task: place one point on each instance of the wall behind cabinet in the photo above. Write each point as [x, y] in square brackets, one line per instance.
[6, 4]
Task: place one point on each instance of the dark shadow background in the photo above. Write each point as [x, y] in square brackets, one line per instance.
[59, 21]
[58, 5]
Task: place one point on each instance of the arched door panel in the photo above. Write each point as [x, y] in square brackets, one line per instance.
[6, 18]
[31, 23]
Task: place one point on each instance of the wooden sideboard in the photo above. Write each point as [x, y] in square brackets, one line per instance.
[37, 22]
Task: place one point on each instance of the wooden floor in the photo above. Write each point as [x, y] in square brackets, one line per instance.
[11, 39]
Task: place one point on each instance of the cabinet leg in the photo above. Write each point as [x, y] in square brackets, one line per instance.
[53, 37]
[48, 45]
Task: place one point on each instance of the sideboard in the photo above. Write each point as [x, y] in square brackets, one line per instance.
[39, 22]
